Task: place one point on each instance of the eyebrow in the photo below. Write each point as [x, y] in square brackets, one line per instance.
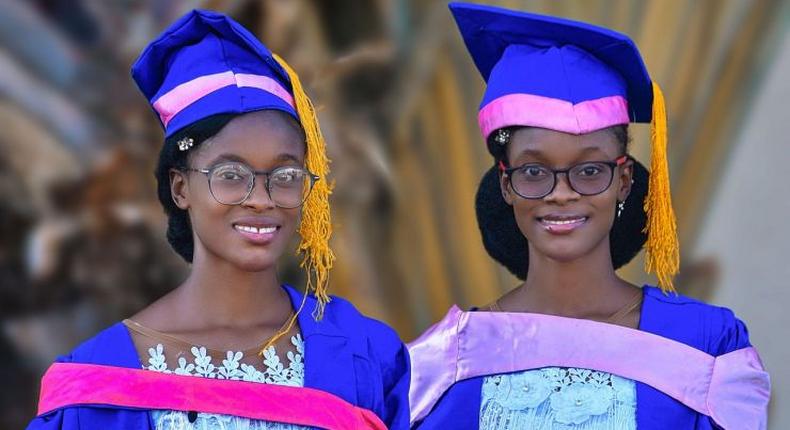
[541, 156]
[288, 157]
[227, 157]
[591, 149]
[281, 158]
[530, 153]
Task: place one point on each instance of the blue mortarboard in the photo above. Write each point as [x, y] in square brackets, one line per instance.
[206, 64]
[553, 73]
[577, 78]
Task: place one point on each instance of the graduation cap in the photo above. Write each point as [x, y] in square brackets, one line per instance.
[207, 64]
[572, 77]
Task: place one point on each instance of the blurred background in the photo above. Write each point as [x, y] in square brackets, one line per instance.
[82, 241]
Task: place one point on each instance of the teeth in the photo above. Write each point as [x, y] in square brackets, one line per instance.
[563, 221]
[251, 229]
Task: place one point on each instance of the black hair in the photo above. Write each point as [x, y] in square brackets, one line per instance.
[507, 245]
[179, 229]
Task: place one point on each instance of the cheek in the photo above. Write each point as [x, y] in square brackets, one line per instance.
[606, 201]
[292, 218]
[207, 218]
[204, 210]
[202, 201]
[524, 211]
[605, 209]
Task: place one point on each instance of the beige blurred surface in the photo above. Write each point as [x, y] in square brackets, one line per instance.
[82, 235]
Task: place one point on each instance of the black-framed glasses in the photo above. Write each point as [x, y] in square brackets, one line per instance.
[232, 183]
[535, 180]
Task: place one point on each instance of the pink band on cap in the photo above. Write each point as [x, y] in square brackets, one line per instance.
[182, 96]
[530, 110]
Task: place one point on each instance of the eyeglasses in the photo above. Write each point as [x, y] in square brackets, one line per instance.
[232, 184]
[535, 180]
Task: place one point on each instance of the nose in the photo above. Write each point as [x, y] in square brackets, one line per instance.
[259, 198]
[562, 192]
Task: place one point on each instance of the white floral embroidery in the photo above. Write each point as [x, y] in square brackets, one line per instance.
[230, 366]
[203, 365]
[558, 398]
[577, 402]
[273, 371]
[183, 368]
[157, 359]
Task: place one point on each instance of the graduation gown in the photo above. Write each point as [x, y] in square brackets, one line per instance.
[348, 356]
[692, 363]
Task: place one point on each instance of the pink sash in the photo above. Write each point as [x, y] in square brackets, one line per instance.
[733, 388]
[75, 384]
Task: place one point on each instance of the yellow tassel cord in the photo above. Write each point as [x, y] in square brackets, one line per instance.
[663, 251]
[316, 226]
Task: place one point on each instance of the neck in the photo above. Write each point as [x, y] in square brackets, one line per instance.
[222, 295]
[587, 287]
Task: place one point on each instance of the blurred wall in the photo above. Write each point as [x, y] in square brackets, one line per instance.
[746, 231]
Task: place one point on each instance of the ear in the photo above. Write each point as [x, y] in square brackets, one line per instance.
[625, 177]
[504, 186]
[179, 189]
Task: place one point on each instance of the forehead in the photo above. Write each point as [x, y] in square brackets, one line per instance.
[554, 145]
[256, 137]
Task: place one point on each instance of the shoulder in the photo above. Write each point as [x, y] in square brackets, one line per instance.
[381, 361]
[367, 337]
[434, 365]
[440, 339]
[377, 335]
[112, 347]
[713, 329]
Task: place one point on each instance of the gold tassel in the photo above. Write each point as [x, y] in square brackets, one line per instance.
[663, 251]
[316, 226]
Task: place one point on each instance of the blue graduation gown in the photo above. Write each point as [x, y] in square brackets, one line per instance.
[714, 330]
[347, 354]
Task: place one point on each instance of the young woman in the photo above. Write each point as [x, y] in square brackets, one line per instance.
[243, 168]
[575, 346]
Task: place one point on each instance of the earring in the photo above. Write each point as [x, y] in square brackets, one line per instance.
[185, 143]
[620, 208]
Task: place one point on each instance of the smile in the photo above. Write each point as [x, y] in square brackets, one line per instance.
[257, 235]
[255, 230]
[562, 224]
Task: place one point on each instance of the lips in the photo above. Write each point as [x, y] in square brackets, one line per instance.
[255, 230]
[562, 223]
[259, 231]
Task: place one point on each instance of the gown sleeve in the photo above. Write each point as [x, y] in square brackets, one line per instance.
[60, 419]
[395, 374]
[732, 335]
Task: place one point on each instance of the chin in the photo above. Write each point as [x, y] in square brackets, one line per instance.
[242, 256]
[563, 254]
[254, 261]
[564, 249]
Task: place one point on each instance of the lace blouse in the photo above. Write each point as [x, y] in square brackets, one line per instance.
[198, 361]
[558, 398]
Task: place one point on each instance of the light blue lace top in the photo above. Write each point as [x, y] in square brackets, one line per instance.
[558, 398]
[270, 371]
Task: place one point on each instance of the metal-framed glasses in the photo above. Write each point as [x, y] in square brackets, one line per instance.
[232, 183]
[535, 180]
